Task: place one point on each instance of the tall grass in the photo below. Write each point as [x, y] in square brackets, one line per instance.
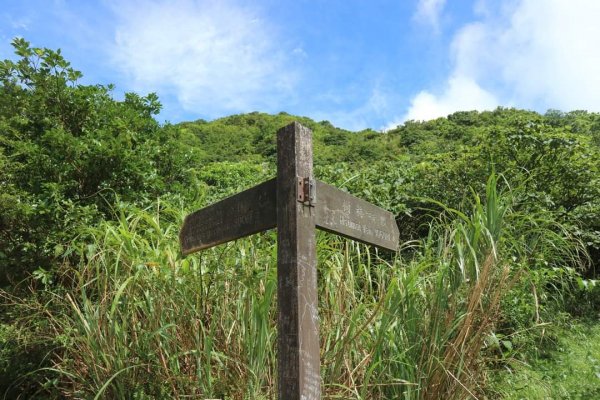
[440, 307]
[148, 323]
[138, 321]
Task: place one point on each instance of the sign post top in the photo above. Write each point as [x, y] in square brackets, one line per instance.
[255, 210]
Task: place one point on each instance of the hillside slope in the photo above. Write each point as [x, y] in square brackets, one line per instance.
[499, 213]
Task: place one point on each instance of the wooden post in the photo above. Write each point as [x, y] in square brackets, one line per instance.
[298, 322]
[297, 204]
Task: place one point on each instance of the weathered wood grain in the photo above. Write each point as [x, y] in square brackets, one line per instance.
[298, 322]
[341, 213]
[240, 215]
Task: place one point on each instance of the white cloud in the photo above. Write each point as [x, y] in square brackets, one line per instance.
[535, 54]
[429, 12]
[554, 54]
[461, 93]
[216, 57]
[22, 23]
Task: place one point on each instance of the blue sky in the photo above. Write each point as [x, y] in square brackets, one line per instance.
[356, 63]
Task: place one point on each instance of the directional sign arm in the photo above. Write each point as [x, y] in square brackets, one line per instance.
[341, 213]
[240, 215]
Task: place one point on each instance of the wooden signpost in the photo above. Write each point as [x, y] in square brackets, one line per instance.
[296, 204]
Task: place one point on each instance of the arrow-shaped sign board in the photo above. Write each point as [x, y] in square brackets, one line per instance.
[354, 218]
[296, 204]
[243, 214]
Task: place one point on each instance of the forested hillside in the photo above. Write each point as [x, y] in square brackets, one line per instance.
[499, 217]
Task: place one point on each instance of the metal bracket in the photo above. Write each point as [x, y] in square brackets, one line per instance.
[306, 190]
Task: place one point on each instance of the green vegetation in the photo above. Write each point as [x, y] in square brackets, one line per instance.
[567, 367]
[493, 294]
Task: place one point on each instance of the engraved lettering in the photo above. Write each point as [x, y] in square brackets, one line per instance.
[349, 223]
[346, 208]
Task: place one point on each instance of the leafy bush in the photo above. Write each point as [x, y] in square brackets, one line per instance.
[72, 149]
